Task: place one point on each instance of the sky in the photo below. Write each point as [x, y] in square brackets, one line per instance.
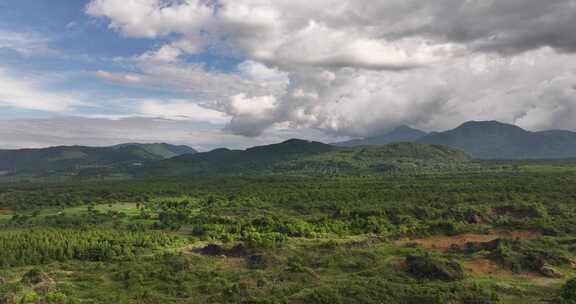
[239, 73]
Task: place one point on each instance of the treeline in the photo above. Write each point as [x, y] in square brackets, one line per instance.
[301, 191]
[33, 247]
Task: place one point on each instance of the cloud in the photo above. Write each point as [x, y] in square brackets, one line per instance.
[180, 110]
[390, 33]
[151, 18]
[166, 53]
[251, 78]
[251, 115]
[357, 68]
[123, 78]
[37, 133]
[25, 92]
[24, 43]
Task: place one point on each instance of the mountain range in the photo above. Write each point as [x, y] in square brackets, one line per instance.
[404, 148]
[487, 140]
[69, 157]
[400, 134]
[300, 156]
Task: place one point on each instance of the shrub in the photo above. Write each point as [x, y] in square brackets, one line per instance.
[432, 268]
[568, 293]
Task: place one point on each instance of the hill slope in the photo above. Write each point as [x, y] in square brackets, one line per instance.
[298, 156]
[400, 134]
[396, 157]
[225, 161]
[70, 157]
[495, 140]
[161, 149]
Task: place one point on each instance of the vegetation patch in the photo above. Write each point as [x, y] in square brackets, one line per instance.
[434, 268]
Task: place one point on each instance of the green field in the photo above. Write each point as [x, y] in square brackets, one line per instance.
[483, 237]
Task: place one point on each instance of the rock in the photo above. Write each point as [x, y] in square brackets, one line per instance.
[34, 277]
[213, 250]
[551, 272]
[237, 251]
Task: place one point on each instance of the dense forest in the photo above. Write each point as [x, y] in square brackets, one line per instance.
[481, 237]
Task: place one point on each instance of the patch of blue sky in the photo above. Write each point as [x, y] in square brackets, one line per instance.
[8, 113]
[214, 61]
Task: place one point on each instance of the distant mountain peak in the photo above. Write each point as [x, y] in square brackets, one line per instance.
[404, 128]
[401, 133]
[498, 140]
[487, 124]
[295, 141]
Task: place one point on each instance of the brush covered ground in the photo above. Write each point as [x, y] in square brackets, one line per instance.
[480, 237]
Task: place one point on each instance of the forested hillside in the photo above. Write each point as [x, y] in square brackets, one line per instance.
[494, 140]
[69, 157]
[298, 156]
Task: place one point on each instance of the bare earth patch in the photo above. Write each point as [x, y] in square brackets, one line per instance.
[488, 268]
[444, 243]
[485, 267]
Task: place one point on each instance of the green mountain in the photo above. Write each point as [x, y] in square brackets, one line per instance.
[299, 156]
[225, 161]
[396, 157]
[161, 149]
[73, 157]
[400, 134]
[495, 140]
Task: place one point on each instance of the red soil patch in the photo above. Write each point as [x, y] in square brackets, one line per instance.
[488, 268]
[5, 211]
[485, 267]
[445, 243]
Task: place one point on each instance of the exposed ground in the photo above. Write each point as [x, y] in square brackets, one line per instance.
[444, 243]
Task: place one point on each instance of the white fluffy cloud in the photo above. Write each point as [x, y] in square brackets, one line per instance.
[358, 67]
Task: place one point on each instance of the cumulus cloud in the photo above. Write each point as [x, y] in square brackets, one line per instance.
[356, 68]
[194, 78]
[251, 115]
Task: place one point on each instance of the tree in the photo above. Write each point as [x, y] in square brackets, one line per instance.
[568, 293]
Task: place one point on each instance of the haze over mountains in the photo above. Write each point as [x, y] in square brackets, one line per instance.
[400, 134]
[69, 157]
[478, 140]
[487, 140]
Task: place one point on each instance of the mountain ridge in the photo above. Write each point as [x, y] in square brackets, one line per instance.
[497, 140]
[68, 157]
[402, 133]
[310, 157]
